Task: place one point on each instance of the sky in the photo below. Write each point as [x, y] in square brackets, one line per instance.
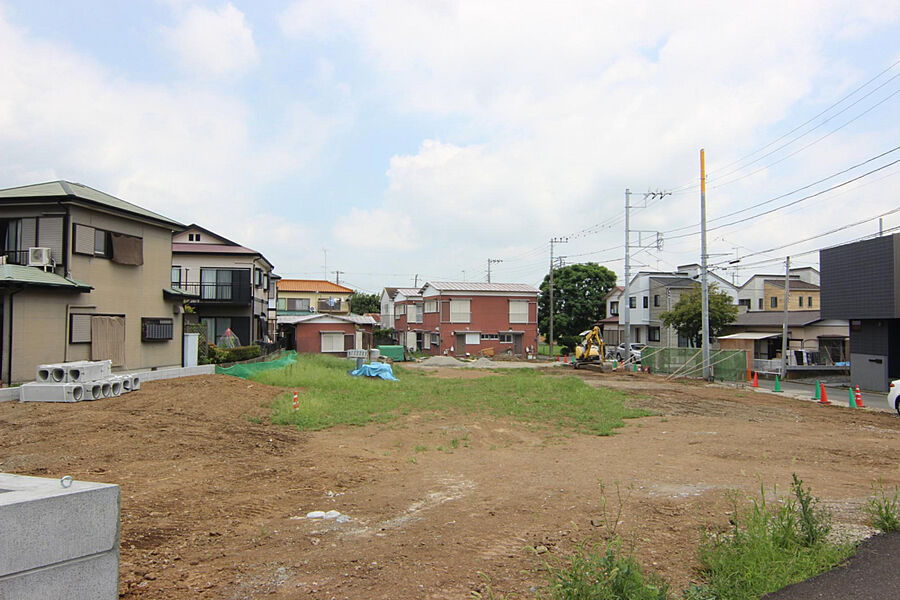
[402, 142]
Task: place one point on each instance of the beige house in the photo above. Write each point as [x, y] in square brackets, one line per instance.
[307, 296]
[231, 284]
[84, 276]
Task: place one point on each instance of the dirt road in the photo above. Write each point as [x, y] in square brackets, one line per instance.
[214, 498]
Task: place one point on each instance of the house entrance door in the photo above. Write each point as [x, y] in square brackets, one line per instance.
[460, 344]
[518, 345]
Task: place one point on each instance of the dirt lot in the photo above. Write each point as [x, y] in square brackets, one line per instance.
[214, 503]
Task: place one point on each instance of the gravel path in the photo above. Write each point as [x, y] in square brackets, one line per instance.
[871, 574]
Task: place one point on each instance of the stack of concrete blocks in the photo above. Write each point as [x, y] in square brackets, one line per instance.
[77, 381]
[59, 539]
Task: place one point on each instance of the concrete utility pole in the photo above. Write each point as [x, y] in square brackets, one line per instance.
[553, 241]
[625, 302]
[490, 262]
[704, 281]
[416, 282]
[787, 307]
[337, 277]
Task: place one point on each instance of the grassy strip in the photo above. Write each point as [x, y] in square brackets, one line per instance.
[330, 397]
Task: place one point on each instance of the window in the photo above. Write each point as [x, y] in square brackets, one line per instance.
[296, 303]
[80, 329]
[176, 276]
[281, 304]
[155, 330]
[257, 274]
[745, 303]
[809, 302]
[489, 336]
[760, 304]
[656, 300]
[518, 311]
[646, 301]
[193, 237]
[653, 334]
[329, 304]
[459, 311]
[800, 298]
[332, 341]
[215, 327]
[215, 284]
[101, 243]
[435, 339]
[632, 302]
[773, 302]
[506, 338]
[614, 308]
[414, 313]
[473, 339]
[431, 306]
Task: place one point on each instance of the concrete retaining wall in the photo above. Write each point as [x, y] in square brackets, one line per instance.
[58, 542]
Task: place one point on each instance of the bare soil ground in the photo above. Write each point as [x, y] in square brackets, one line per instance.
[214, 497]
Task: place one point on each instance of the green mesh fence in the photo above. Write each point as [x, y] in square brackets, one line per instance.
[730, 365]
[246, 370]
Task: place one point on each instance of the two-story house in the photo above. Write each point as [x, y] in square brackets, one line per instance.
[407, 307]
[230, 284]
[464, 318]
[308, 296]
[766, 291]
[85, 276]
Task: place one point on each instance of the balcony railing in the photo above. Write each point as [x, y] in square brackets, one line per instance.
[15, 257]
[333, 305]
[218, 293]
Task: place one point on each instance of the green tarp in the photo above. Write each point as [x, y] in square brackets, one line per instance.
[246, 370]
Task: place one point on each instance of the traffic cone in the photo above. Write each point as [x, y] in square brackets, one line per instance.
[858, 397]
[824, 398]
[648, 369]
[816, 395]
[296, 401]
[755, 380]
[566, 359]
[777, 385]
[615, 365]
[851, 400]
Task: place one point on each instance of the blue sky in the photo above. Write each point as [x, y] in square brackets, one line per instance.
[397, 140]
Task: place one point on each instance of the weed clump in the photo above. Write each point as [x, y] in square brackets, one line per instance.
[769, 546]
[883, 510]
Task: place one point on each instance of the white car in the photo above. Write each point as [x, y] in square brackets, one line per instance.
[894, 395]
[635, 354]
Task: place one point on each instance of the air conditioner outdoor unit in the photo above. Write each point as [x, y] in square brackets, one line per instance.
[39, 257]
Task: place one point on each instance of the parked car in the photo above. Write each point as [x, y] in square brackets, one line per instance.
[894, 395]
[635, 354]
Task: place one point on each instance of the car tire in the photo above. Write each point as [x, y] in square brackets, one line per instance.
[897, 405]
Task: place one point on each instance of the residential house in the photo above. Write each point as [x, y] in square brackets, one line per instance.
[85, 276]
[309, 296]
[327, 333]
[766, 291]
[861, 283]
[613, 331]
[408, 313]
[387, 307]
[230, 284]
[467, 318]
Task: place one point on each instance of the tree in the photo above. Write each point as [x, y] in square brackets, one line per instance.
[686, 315]
[578, 292]
[365, 303]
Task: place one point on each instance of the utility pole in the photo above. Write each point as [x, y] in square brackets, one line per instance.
[704, 281]
[787, 307]
[337, 277]
[625, 303]
[416, 283]
[490, 262]
[325, 266]
[553, 241]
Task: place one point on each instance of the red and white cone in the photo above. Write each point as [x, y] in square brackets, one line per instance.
[296, 401]
[858, 397]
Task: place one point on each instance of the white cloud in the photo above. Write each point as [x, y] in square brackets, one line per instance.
[213, 42]
[362, 228]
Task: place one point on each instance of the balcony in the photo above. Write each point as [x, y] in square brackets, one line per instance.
[330, 305]
[218, 293]
[15, 257]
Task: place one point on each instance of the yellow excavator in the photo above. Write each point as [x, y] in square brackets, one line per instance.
[591, 349]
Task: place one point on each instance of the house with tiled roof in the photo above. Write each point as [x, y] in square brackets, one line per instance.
[85, 276]
[231, 284]
[308, 296]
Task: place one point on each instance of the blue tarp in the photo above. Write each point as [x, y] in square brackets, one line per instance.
[376, 369]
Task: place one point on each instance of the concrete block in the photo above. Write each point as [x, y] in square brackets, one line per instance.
[93, 390]
[127, 381]
[85, 370]
[58, 542]
[51, 392]
[50, 373]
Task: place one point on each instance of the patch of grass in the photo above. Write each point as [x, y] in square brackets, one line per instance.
[883, 509]
[257, 420]
[420, 448]
[603, 572]
[769, 546]
[525, 395]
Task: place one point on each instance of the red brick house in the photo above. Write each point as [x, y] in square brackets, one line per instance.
[460, 318]
[326, 333]
[407, 310]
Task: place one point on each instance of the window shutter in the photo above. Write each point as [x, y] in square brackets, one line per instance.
[84, 240]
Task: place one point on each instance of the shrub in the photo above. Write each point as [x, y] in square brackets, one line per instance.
[883, 510]
[228, 355]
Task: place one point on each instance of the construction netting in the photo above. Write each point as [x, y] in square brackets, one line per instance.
[248, 370]
[729, 365]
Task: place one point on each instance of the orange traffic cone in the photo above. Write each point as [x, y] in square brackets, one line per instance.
[755, 380]
[824, 398]
[566, 359]
[858, 397]
[296, 401]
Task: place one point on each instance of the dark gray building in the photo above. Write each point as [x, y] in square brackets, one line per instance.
[860, 282]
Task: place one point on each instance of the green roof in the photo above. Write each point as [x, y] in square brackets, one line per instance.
[33, 276]
[177, 292]
[66, 189]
